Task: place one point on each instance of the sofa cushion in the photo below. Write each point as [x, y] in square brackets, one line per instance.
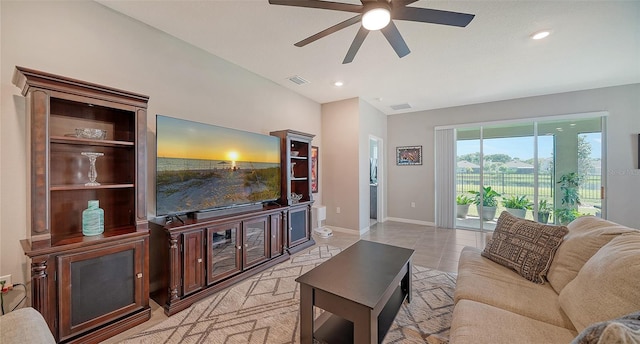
[586, 236]
[607, 285]
[624, 330]
[482, 280]
[524, 246]
[475, 322]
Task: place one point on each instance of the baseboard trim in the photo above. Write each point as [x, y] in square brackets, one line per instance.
[415, 222]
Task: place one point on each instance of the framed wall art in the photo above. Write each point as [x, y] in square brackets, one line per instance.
[314, 169]
[409, 155]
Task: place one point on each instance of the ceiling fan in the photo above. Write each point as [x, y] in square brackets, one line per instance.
[378, 15]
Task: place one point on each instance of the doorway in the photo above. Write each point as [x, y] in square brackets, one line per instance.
[375, 186]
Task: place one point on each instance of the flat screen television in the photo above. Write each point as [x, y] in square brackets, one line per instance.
[203, 167]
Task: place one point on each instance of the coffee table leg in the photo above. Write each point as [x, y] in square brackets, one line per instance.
[406, 281]
[306, 314]
[365, 328]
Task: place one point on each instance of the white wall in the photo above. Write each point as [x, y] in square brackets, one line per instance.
[416, 183]
[87, 41]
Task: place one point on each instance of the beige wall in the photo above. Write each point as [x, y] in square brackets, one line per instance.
[416, 183]
[87, 41]
[372, 122]
[345, 161]
[339, 163]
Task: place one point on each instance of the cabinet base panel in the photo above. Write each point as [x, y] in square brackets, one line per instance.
[176, 306]
[302, 246]
[112, 329]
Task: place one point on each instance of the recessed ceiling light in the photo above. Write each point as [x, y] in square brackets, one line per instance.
[338, 83]
[540, 34]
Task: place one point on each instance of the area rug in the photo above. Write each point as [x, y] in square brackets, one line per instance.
[264, 309]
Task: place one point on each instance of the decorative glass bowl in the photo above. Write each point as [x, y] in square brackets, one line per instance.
[90, 133]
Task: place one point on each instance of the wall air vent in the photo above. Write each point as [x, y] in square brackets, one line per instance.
[298, 80]
[402, 106]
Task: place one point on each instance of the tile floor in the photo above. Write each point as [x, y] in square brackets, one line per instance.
[434, 248]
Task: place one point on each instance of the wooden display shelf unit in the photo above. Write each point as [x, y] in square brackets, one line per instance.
[295, 157]
[72, 274]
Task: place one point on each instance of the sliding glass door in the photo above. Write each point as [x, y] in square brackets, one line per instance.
[546, 171]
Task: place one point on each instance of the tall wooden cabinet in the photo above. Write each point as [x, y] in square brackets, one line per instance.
[88, 288]
[295, 150]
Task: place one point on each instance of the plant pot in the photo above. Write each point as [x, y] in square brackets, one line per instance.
[488, 213]
[543, 217]
[462, 210]
[517, 212]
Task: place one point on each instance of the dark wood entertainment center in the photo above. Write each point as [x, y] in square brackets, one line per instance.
[90, 288]
[197, 255]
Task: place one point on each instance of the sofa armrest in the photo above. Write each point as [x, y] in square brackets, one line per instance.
[25, 325]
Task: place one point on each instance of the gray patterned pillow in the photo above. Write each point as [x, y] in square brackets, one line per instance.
[524, 246]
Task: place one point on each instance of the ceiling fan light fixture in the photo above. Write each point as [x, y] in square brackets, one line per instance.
[376, 17]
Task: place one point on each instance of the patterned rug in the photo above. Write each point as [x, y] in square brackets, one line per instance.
[264, 309]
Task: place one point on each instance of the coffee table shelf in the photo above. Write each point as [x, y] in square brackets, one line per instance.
[337, 330]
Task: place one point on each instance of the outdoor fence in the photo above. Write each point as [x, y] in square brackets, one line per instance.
[518, 184]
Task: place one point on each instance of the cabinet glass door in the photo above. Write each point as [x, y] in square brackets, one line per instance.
[255, 241]
[223, 256]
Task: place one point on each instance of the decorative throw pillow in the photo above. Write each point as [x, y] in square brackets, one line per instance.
[624, 330]
[524, 246]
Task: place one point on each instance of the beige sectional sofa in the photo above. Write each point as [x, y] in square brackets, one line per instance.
[594, 276]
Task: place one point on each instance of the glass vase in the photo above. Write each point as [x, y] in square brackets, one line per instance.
[93, 219]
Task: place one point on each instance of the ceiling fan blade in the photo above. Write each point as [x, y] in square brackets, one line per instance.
[394, 37]
[329, 31]
[403, 2]
[427, 15]
[327, 5]
[355, 45]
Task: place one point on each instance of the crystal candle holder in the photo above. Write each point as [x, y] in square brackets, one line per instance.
[93, 174]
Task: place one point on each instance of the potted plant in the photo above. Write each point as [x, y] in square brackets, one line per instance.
[462, 206]
[544, 210]
[569, 184]
[517, 205]
[489, 200]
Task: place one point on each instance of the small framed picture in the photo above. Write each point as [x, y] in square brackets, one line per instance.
[409, 155]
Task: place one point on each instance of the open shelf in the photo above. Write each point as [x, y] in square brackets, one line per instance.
[83, 187]
[89, 142]
[77, 238]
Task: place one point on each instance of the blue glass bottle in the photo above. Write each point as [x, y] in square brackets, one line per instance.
[93, 219]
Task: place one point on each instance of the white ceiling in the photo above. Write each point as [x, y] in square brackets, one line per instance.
[593, 44]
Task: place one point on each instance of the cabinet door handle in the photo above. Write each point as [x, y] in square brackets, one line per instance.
[239, 247]
[274, 236]
[246, 245]
[199, 260]
[139, 275]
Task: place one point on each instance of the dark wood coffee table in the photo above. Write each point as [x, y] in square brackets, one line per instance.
[361, 289]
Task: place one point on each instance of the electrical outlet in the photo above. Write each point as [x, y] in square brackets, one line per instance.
[413, 204]
[6, 279]
[337, 210]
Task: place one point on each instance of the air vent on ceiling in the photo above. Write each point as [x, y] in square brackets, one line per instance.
[402, 106]
[298, 80]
